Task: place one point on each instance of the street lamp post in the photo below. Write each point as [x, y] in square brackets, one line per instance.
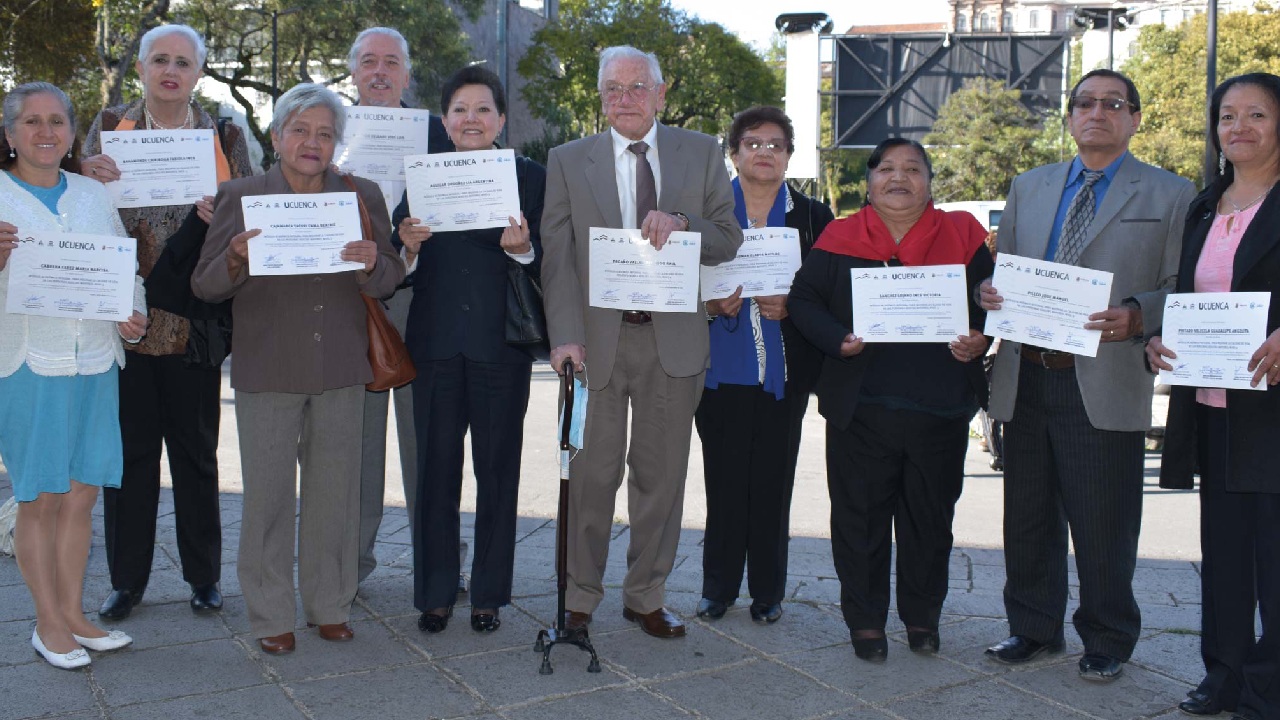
[275, 52]
[1210, 80]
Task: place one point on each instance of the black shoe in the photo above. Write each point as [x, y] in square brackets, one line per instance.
[1100, 668]
[485, 622]
[872, 649]
[765, 612]
[1200, 703]
[925, 642]
[434, 623]
[712, 609]
[119, 604]
[205, 598]
[1018, 649]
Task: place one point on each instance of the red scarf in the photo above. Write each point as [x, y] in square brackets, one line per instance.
[937, 238]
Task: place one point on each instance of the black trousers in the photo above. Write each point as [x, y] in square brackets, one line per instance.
[164, 403]
[894, 472]
[1063, 475]
[1240, 573]
[750, 441]
[450, 397]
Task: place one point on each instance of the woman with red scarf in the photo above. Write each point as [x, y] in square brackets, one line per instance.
[897, 413]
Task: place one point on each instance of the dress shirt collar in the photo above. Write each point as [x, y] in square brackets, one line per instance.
[1075, 175]
[620, 144]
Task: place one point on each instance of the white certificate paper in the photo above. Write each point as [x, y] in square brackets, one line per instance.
[627, 273]
[161, 167]
[463, 190]
[378, 139]
[765, 264]
[72, 275]
[301, 234]
[924, 303]
[1047, 304]
[1214, 335]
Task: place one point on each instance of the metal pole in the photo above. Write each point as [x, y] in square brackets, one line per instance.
[1111, 39]
[1210, 81]
[275, 58]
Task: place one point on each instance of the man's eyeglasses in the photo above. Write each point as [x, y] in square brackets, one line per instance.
[755, 144]
[1085, 103]
[638, 92]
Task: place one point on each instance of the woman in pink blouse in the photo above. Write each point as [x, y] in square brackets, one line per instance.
[1232, 244]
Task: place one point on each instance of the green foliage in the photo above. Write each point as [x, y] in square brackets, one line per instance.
[710, 73]
[983, 137]
[51, 42]
[1169, 70]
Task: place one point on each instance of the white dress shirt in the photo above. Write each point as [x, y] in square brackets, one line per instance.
[624, 168]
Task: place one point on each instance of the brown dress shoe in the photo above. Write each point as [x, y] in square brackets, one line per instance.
[659, 623]
[281, 644]
[574, 620]
[337, 632]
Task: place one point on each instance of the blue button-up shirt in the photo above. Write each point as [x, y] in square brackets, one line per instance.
[1076, 177]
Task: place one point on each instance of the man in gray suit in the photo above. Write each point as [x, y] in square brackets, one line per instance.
[1075, 425]
[639, 174]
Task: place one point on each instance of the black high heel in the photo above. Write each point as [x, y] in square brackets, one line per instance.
[434, 622]
[871, 649]
[485, 622]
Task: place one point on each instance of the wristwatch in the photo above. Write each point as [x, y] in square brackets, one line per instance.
[683, 217]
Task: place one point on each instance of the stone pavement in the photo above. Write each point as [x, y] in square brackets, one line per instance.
[803, 667]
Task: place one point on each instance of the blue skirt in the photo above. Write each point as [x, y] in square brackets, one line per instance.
[57, 429]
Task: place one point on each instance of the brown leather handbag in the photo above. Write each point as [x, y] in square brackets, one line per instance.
[388, 356]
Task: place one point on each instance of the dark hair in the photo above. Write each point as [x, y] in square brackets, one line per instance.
[1266, 82]
[885, 146]
[754, 117]
[1131, 90]
[473, 75]
[13, 104]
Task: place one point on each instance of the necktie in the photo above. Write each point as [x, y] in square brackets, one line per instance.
[646, 189]
[1076, 225]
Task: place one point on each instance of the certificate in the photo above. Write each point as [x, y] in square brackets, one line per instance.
[463, 190]
[301, 234]
[1047, 304]
[161, 167]
[378, 139]
[924, 303]
[765, 264]
[627, 273]
[72, 275]
[1214, 335]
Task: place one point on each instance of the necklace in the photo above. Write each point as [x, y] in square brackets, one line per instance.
[153, 124]
[1241, 208]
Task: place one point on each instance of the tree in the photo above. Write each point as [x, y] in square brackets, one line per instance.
[984, 136]
[120, 27]
[313, 43]
[52, 42]
[1169, 70]
[710, 74]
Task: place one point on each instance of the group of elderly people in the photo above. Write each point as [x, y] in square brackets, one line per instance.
[88, 404]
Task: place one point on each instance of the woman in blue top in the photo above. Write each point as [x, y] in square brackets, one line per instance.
[757, 388]
[59, 402]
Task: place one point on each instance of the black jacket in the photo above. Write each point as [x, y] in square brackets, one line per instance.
[804, 361]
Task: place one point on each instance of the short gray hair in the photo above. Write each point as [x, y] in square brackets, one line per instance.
[625, 52]
[353, 56]
[17, 97]
[155, 33]
[304, 96]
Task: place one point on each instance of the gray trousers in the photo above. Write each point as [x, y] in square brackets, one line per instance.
[373, 456]
[658, 455]
[279, 432]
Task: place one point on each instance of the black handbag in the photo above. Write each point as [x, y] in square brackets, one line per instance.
[169, 288]
[526, 326]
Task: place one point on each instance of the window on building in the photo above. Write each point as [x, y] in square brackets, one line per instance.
[1007, 24]
[984, 21]
[1034, 20]
[1053, 20]
[962, 23]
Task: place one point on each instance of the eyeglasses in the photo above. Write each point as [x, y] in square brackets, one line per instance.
[638, 92]
[1085, 103]
[755, 144]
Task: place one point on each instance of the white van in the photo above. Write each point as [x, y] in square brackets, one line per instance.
[988, 212]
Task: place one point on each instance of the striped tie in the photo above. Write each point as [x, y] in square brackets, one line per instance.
[1079, 215]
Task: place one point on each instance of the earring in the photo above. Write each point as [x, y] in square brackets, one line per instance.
[12, 154]
[1222, 163]
[68, 153]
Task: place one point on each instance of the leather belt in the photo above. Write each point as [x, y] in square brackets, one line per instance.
[1048, 359]
[636, 317]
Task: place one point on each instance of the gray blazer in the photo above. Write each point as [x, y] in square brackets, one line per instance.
[1137, 236]
[582, 192]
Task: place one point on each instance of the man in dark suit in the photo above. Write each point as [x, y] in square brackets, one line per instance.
[639, 174]
[1075, 425]
[379, 63]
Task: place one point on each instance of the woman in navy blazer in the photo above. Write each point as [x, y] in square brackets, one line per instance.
[1228, 436]
[468, 376]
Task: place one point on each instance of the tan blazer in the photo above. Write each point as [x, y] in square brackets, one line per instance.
[297, 333]
[1137, 235]
[582, 192]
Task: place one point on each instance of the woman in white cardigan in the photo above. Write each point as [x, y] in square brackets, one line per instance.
[59, 401]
